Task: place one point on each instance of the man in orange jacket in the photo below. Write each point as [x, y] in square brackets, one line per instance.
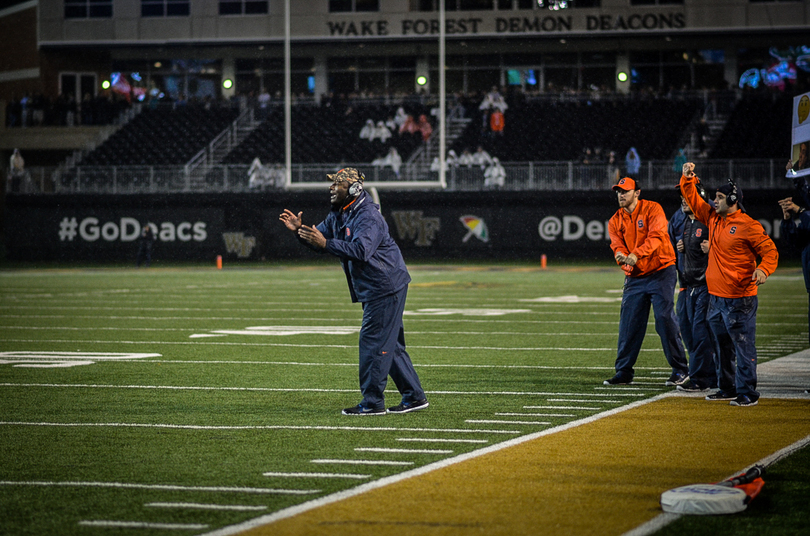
[641, 246]
[735, 242]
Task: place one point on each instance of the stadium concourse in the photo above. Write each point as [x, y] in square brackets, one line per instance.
[570, 479]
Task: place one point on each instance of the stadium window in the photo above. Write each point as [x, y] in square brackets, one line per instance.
[348, 6]
[243, 7]
[508, 5]
[88, 9]
[165, 8]
[655, 2]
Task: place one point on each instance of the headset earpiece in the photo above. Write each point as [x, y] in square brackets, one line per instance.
[356, 188]
[732, 197]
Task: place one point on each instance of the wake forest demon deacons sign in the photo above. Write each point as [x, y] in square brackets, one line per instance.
[509, 25]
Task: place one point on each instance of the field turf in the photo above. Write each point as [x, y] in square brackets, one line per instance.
[189, 399]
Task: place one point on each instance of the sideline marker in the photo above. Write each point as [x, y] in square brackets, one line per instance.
[219, 262]
[543, 261]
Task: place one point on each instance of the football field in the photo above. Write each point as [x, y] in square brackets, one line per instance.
[190, 400]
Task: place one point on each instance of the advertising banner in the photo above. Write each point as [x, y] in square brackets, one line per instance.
[492, 226]
[800, 137]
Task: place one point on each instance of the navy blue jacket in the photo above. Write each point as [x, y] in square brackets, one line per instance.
[675, 231]
[798, 232]
[371, 259]
[695, 262]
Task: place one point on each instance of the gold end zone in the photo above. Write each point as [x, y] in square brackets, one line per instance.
[604, 477]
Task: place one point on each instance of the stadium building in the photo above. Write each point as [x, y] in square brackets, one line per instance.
[184, 96]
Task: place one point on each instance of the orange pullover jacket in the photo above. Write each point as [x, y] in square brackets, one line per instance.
[644, 234]
[735, 242]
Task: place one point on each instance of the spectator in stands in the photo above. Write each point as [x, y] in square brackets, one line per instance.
[409, 126]
[612, 168]
[278, 178]
[393, 160]
[379, 161]
[481, 158]
[633, 162]
[492, 101]
[260, 175]
[803, 161]
[494, 176]
[16, 171]
[400, 118]
[425, 127]
[466, 159]
[434, 166]
[497, 122]
[680, 160]
[452, 158]
[381, 133]
[367, 130]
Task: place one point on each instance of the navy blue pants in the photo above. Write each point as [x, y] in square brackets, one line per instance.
[382, 352]
[699, 340]
[733, 322]
[658, 290]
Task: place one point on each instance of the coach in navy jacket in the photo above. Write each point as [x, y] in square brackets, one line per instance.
[356, 232]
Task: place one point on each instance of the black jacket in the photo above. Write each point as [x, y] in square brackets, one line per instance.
[694, 260]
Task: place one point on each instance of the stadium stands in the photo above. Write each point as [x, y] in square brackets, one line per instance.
[162, 137]
[324, 134]
[759, 127]
[551, 131]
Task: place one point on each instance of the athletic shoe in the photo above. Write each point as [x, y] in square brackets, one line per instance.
[406, 407]
[692, 387]
[677, 378]
[744, 400]
[359, 409]
[721, 395]
[618, 380]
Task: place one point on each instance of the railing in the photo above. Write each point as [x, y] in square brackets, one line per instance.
[520, 176]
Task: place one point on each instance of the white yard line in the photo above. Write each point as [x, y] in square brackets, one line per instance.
[198, 506]
[402, 451]
[162, 487]
[317, 475]
[143, 525]
[492, 421]
[535, 415]
[361, 462]
[584, 408]
[434, 440]
[261, 427]
[583, 400]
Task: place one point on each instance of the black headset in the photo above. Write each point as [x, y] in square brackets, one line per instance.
[356, 188]
[732, 197]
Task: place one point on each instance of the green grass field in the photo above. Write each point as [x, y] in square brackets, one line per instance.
[192, 398]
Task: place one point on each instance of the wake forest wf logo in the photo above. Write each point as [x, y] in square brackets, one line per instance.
[412, 225]
[239, 244]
